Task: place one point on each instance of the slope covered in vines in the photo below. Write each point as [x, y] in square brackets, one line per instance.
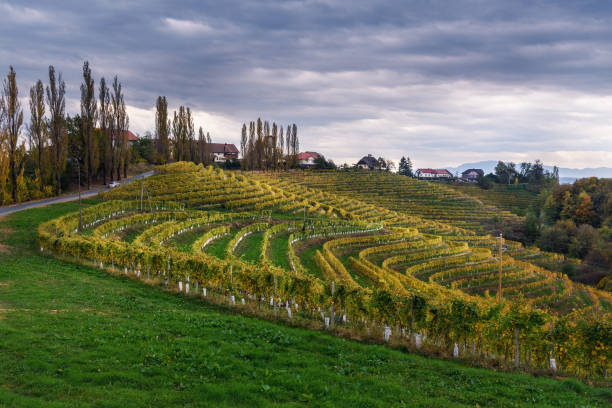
[337, 253]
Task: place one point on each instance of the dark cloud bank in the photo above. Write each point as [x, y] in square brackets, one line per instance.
[444, 82]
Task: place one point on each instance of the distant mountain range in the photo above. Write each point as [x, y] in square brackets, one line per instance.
[565, 175]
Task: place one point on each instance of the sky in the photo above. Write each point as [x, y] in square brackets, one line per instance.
[442, 82]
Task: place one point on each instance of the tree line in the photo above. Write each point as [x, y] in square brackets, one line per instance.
[176, 139]
[576, 219]
[531, 173]
[58, 148]
[405, 167]
[264, 147]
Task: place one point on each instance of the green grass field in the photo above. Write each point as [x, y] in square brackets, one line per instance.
[72, 335]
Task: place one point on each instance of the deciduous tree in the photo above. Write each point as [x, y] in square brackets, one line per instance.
[89, 117]
[162, 129]
[57, 126]
[38, 129]
[13, 119]
[121, 123]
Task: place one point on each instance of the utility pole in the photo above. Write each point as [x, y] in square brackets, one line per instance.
[80, 206]
[499, 290]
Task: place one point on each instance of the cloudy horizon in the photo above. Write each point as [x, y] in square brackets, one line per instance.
[443, 83]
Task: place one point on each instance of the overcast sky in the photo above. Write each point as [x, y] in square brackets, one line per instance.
[444, 82]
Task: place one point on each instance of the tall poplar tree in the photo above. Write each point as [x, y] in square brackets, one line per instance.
[121, 123]
[189, 134]
[259, 144]
[89, 114]
[251, 147]
[295, 143]
[201, 147]
[57, 126]
[105, 116]
[38, 129]
[178, 134]
[272, 148]
[281, 147]
[13, 119]
[162, 129]
[243, 143]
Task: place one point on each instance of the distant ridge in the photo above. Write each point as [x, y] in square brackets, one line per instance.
[566, 175]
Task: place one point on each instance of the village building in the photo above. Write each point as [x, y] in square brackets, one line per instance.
[131, 138]
[307, 159]
[223, 151]
[368, 162]
[433, 174]
[472, 175]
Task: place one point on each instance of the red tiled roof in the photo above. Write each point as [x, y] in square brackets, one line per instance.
[130, 136]
[223, 148]
[308, 155]
[434, 171]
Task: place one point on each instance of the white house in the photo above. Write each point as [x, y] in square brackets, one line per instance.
[472, 174]
[307, 158]
[223, 151]
[433, 174]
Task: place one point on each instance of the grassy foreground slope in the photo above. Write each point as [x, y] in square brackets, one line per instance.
[76, 336]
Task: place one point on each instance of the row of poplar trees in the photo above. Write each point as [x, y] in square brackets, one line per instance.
[264, 147]
[94, 142]
[176, 138]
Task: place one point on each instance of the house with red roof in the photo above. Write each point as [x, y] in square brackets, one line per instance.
[131, 138]
[223, 151]
[433, 174]
[307, 158]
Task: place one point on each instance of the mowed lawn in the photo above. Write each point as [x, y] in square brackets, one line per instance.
[74, 336]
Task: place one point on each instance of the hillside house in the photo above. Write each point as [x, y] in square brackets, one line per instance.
[433, 174]
[131, 137]
[472, 175]
[307, 159]
[223, 151]
[368, 162]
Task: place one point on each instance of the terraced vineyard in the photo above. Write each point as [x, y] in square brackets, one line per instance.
[347, 252]
[432, 201]
[513, 198]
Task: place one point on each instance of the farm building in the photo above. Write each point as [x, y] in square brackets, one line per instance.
[131, 138]
[223, 151]
[472, 175]
[307, 159]
[368, 162]
[433, 174]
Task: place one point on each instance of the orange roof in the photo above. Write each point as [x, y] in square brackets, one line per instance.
[307, 155]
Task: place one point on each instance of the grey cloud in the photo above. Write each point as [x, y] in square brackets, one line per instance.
[413, 71]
